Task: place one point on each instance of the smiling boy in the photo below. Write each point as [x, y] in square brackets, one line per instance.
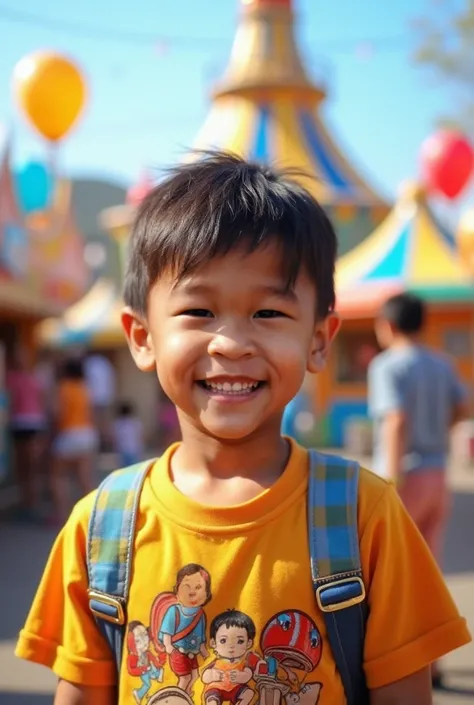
[230, 297]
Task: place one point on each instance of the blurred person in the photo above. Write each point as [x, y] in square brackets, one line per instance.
[76, 441]
[127, 431]
[27, 423]
[415, 398]
[100, 376]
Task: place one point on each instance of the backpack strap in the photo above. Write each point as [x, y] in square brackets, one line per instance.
[335, 566]
[110, 544]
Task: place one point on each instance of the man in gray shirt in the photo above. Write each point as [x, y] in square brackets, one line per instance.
[415, 398]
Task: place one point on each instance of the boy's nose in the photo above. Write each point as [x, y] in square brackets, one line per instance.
[232, 343]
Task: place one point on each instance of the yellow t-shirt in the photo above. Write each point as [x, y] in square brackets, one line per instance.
[253, 558]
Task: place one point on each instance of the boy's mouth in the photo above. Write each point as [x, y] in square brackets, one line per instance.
[228, 387]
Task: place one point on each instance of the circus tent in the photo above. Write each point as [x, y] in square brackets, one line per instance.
[267, 108]
[410, 251]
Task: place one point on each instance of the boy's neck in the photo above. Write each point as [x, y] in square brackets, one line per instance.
[260, 458]
[400, 340]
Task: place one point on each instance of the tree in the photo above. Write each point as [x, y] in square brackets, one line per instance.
[446, 48]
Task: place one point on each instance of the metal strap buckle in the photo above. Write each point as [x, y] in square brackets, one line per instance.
[109, 601]
[336, 606]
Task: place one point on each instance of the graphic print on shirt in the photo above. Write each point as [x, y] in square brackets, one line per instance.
[142, 661]
[241, 670]
[291, 647]
[226, 679]
[178, 624]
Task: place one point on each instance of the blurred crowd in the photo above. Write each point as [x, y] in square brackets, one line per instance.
[63, 416]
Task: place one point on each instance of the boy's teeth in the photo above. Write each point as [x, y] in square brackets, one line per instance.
[230, 387]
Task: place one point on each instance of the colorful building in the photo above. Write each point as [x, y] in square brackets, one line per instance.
[410, 251]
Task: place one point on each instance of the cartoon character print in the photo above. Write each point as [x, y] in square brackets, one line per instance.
[290, 644]
[178, 623]
[141, 661]
[226, 679]
[171, 695]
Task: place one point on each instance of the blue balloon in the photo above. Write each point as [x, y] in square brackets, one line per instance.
[34, 187]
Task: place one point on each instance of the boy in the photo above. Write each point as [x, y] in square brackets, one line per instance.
[229, 296]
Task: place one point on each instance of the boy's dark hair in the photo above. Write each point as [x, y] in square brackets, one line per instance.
[125, 408]
[73, 369]
[233, 618]
[405, 312]
[207, 208]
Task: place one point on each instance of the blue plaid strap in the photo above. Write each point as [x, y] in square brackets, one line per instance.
[335, 566]
[110, 546]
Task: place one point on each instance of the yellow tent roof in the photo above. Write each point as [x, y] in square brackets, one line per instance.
[410, 251]
[266, 108]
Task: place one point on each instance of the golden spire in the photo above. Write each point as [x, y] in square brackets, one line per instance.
[265, 56]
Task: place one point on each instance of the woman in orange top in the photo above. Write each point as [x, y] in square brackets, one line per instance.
[76, 442]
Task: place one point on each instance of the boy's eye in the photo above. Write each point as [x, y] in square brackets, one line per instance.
[197, 313]
[269, 313]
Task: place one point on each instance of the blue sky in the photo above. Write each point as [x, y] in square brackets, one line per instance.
[149, 98]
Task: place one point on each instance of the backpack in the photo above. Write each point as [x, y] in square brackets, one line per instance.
[334, 561]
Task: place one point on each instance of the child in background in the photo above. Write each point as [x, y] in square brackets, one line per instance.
[128, 435]
[76, 441]
[28, 424]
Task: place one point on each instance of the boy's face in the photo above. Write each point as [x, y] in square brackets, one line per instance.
[231, 642]
[230, 347]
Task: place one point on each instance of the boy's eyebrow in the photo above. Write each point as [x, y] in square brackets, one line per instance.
[191, 288]
[282, 292]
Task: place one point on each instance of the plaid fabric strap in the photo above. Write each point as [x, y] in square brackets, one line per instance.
[109, 550]
[335, 566]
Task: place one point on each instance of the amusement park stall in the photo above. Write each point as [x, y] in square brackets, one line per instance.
[40, 274]
[410, 251]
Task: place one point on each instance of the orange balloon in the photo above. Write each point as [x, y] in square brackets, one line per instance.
[51, 91]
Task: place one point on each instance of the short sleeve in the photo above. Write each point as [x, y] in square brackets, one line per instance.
[385, 391]
[60, 631]
[412, 617]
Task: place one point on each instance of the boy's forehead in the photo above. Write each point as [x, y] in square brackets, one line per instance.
[219, 272]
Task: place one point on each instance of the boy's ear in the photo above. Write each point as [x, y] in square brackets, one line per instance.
[324, 333]
[138, 339]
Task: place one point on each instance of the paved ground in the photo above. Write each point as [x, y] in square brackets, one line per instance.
[23, 552]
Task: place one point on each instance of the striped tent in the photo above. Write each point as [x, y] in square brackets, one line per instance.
[410, 251]
[94, 319]
[267, 108]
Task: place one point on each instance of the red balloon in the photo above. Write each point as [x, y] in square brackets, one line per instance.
[447, 163]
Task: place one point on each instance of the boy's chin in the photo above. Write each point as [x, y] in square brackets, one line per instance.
[229, 431]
